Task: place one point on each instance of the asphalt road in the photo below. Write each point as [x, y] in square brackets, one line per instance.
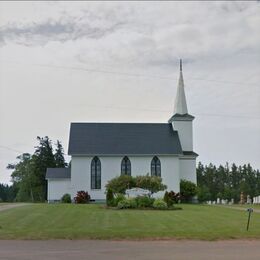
[121, 250]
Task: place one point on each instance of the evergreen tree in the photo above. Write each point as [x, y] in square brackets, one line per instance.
[28, 174]
[59, 156]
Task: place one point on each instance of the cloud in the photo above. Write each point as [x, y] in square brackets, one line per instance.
[50, 30]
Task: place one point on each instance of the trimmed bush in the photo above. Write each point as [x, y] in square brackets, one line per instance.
[151, 183]
[166, 198]
[175, 197]
[66, 198]
[119, 197]
[110, 198]
[144, 202]
[171, 197]
[124, 204]
[159, 204]
[121, 183]
[82, 197]
[133, 203]
[188, 190]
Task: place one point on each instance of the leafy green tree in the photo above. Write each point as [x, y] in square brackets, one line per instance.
[28, 174]
[188, 190]
[203, 194]
[121, 183]
[151, 183]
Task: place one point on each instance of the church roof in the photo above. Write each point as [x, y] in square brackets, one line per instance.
[123, 139]
[179, 117]
[180, 104]
[58, 173]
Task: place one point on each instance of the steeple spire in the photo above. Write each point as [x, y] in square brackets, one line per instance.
[180, 105]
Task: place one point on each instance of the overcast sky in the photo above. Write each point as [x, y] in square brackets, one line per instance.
[63, 62]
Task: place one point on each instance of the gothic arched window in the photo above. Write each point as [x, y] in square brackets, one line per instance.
[95, 173]
[156, 167]
[126, 166]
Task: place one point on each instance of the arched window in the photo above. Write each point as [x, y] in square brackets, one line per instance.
[126, 166]
[156, 167]
[95, 173]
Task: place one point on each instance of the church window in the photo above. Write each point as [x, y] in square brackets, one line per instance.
[156, 167]
[126, 166]
[95, 173]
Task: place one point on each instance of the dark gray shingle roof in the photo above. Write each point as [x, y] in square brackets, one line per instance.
[123, 139]
[190, 153]
[58, 173]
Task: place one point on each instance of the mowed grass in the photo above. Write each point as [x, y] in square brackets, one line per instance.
[61, 221]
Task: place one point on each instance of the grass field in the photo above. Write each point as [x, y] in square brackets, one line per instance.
[61, 221]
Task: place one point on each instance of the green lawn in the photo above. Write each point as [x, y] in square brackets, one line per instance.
[57, 221]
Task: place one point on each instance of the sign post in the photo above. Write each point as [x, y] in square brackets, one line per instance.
[250, 210]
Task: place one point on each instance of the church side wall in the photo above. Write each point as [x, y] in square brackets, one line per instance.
[188, 170]
[57, 188]
[111, 167]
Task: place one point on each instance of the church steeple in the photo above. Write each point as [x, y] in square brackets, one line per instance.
[180, 104]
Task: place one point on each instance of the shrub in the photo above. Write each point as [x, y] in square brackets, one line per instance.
[121, 184]
[151, 183]
[175, 197]
[204, 194]
[66, 198]
[119, 197]
[133, 203]
[124, 204]
[159, 204]
[188, 190]
[144, 201]
[167, 199]
[110, 198]
[82, 197]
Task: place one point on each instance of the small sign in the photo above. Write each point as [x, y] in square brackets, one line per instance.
[135, 192]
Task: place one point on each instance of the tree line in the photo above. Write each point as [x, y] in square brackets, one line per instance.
[227, 182]
[28, 174]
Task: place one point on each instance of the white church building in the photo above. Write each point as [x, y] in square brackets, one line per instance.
[102, 151]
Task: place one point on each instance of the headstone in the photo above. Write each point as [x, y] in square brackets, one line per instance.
[242, 198]
[232, 201]
[224, 202]
[218, 200]
[248, 200]
[135, 192]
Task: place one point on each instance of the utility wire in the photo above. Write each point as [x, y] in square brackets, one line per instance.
[127, 74]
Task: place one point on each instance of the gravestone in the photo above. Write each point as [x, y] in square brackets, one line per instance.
[248, 199]
[218, 200]
[242, 198]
